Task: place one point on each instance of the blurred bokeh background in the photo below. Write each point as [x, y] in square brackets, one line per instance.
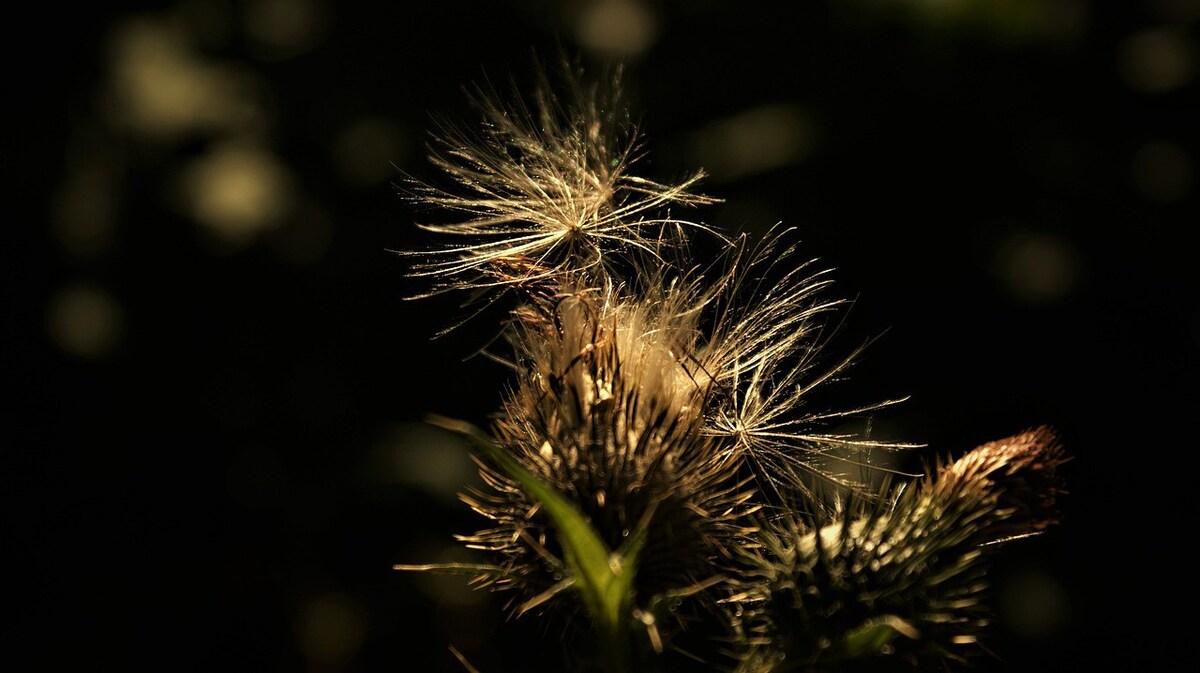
[216, 386]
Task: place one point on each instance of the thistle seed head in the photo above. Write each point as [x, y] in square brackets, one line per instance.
[654, 395]
[604, 410]
[543, 190]
[552, 212]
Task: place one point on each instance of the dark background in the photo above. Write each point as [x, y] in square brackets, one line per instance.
[215, 385]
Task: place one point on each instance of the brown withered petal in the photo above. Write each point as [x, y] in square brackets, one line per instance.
[1025, 469]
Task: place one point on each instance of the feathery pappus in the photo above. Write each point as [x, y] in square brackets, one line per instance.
[543, 190]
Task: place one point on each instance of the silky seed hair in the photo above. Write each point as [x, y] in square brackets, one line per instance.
[543, 190]
[766, 353]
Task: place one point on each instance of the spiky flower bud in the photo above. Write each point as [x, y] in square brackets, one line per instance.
[604, 412]
[899, 580]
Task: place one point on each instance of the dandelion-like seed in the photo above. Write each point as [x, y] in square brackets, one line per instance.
[544, 190]
[766, 358]
[659, 461]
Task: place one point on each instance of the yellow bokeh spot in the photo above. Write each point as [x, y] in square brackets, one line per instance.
[84, 206]
[286, 28]
[85, 321]
[1034, 604]
[161, 88]
[330, 629]
[237, 191]
[1157, 60]
[1037, 268]
[618, 28]
[754, 141]
[1163, 172]
[367, 151]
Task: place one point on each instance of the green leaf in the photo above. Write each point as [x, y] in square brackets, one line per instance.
[870, 638]
[604, 578]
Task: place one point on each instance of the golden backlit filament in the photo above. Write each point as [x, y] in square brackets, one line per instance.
[542, 191]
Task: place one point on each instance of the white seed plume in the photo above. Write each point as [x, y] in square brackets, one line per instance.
[544, 192]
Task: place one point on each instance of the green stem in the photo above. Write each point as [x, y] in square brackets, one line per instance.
[614, 650]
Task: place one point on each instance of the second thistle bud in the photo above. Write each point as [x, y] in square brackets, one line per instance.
[902, 577]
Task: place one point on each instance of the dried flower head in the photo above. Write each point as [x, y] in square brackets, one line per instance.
[604, 411]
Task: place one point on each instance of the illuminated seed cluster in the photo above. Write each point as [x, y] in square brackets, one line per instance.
[675, 399]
